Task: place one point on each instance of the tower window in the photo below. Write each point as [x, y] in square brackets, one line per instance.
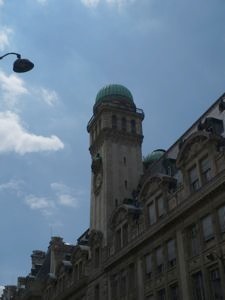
[124, 160]
[124, 124]
[114, 122]
[133, 126]
[100, 124]
[125, 184]
[97, 257]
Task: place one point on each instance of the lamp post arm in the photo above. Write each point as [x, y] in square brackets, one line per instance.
[17, 54]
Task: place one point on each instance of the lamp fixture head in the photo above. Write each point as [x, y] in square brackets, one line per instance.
[22, 65]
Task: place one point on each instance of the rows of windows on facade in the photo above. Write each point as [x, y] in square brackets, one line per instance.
[157, 223]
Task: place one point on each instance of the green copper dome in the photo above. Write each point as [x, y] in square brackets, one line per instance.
[154, 156]
[111, 90]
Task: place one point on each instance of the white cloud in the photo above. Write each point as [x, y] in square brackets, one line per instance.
[65, 195]
[15, 138]
[49, 96]
[60, 188]
[14, 185]
[12, 87]
[90, 3]
[42, 204]
[67, 200]
[47, 206]
[95, 3]
[4, 35]
[1, 2]
[42, 2]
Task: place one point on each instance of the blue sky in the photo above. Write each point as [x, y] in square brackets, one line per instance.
[170, 54]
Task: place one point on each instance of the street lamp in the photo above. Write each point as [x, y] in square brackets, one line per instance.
[20, 65]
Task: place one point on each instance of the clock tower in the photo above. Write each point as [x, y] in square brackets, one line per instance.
[115, 131]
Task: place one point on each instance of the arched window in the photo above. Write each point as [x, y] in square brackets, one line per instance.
[114, 121]
[133, 126]
[124, 124]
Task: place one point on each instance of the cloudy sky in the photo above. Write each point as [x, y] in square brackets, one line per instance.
[170, 54]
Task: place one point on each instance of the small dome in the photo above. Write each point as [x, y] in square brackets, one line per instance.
[154, 156]
[113, 90]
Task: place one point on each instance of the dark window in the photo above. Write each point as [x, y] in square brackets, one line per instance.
[123, 286]
[76, 273]
[159, 259]
[150, 297]
[125, 184]
[193, 240]
[133, 126]
[151, 213]
[131, 276]
[114, 122]
[161, 295]
[80, 269]
[215, 282]
[148, 264]
[174, 295]
[171, 252]
[115, 288]
[125, 234]
[118, 239]
[97, 257]
[97, 292]
[194, 180]
[205, 170]
[124, 124]
[160, 206]
[207, 228]
[221, 213]
[198, 287]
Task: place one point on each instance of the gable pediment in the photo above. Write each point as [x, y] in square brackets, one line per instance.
[154, 184]
[194, 144]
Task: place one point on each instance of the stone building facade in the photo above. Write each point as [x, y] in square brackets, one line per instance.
[157, 225]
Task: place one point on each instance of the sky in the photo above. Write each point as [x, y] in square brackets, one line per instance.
[169, 54]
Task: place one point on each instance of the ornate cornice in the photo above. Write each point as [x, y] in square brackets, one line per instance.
[116, 136]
